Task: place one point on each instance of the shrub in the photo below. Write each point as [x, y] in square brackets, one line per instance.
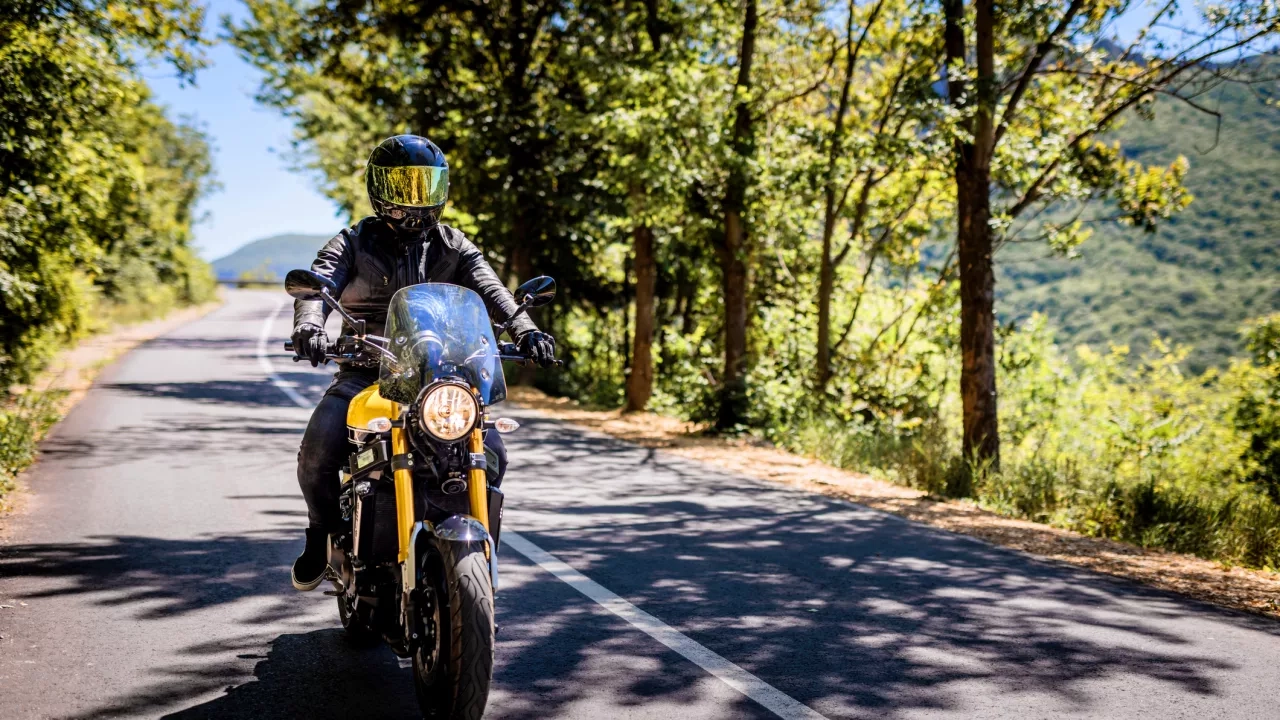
[23, 420]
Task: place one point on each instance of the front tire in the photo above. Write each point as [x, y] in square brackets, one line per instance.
[452, 675]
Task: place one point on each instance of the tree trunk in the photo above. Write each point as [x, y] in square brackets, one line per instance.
[640, 381]
[977, 318]
[826, 285]
[733, 249]
[974, 239]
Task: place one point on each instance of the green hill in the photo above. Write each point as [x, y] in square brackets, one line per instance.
[1205, 271]
[269, 258]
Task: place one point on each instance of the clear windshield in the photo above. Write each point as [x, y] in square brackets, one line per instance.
[438, 331]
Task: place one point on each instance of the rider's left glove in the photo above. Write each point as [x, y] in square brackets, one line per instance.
[310, 341]
[538, 346]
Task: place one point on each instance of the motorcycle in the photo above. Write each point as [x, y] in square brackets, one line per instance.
[416, 563]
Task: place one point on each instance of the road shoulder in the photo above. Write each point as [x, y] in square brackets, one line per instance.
[1254, 591]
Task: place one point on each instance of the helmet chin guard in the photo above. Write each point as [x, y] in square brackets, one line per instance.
[407, 219]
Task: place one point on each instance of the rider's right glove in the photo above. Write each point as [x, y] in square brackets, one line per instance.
[538, 346]
[309, 341]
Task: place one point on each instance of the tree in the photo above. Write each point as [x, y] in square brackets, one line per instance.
[879, 158]
[733, 249]
[95, 182]
[1032, 87]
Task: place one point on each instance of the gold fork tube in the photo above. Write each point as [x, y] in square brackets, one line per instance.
[404, 491]
[478, 484]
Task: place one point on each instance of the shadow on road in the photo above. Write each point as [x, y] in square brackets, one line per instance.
[161, 577]
[176, 440]
[228, 392]
[315, 674]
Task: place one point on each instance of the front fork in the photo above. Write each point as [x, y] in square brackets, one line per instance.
[477, 488]
[408, 528]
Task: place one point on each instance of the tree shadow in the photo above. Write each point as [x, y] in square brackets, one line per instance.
[161, 577]
[851, 611]
[176, 440]
[235, 393]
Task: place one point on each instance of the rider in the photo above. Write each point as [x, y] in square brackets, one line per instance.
[407, 178]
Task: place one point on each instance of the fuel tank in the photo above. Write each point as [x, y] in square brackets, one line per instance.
[366, 406]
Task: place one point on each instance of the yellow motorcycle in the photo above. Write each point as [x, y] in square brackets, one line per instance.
[416, 563]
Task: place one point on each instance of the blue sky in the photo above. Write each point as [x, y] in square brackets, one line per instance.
[260, 197]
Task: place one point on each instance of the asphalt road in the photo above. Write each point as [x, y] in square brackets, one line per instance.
[149, 578]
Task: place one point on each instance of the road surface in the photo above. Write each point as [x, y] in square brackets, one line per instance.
[149, 578]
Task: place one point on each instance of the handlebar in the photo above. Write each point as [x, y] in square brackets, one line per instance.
[506, 351]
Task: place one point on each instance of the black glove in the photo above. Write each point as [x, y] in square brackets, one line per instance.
[309, 341]
[538, 346]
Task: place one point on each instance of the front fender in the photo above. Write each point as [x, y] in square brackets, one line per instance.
[459, 535]
[462, 529]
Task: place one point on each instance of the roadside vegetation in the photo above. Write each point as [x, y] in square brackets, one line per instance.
[97, 189]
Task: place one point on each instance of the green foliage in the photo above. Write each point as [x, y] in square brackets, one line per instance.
[23, 420]
[1106, 445]
[97, 186]
[1202, 272]
[1258, 406]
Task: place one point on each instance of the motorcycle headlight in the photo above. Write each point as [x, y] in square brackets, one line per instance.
[448, 412]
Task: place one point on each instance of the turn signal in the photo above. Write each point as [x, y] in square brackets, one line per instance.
[379, 425]
[505, 425]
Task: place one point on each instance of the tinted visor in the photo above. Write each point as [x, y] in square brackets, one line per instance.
[413, 186]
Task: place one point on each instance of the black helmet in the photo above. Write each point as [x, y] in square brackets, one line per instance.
[408, 182]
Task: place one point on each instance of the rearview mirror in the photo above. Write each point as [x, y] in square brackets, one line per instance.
[536, 292]
[306, 285]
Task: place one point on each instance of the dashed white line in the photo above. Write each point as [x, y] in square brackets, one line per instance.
[769, 697]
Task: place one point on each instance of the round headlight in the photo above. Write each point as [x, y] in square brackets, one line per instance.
[448, 412]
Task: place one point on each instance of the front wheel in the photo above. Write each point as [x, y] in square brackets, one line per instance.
[452, 669]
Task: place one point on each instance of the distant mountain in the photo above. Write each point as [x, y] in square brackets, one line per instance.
[1203, 272]
[270, 258]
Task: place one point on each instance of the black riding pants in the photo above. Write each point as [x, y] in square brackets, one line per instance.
[325, 449]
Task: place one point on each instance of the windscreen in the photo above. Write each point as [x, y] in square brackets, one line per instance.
[437, 331]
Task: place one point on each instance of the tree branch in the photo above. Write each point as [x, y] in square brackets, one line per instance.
[1033, 64]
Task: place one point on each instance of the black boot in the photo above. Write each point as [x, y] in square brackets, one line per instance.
[308, 569]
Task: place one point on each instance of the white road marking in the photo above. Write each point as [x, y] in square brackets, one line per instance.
[264, 361]
[771, 698]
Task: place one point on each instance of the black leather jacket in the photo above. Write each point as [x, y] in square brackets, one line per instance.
[369, 263]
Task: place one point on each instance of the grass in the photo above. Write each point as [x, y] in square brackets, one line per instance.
[1235, 524]
[1238, 526]
[24, 419]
